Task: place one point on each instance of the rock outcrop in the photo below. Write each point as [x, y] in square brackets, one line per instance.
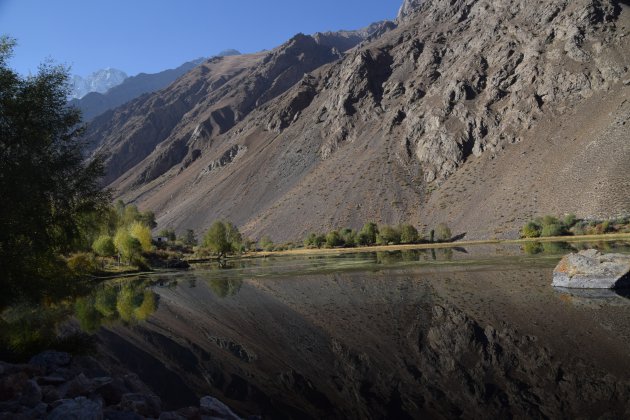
[591, 269]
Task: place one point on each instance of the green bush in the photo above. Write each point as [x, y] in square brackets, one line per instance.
[553, 229]
[82, 263]
[569, 220]
[531, 230]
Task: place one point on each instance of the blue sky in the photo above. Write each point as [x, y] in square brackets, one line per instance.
[153, 35]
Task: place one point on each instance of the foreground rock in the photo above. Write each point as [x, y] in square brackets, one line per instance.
[591, 269]
[55, 385]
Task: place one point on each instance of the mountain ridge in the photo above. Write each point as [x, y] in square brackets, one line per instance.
[392, 129]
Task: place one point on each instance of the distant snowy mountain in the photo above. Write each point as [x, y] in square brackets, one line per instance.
[99, 81]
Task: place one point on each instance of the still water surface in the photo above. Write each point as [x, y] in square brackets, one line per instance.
[470, 333]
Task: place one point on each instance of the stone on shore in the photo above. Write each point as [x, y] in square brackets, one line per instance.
[591, 269]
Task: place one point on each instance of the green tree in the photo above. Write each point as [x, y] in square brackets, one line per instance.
[408, 234]
[190, 238]
[443, 232]
[333, 239]
[104, 246]
[265, 243]
[148, 219]
[367, 235]
[142, 233]
[349, 238]
[234, 237]
[217, 240]
[45, 181]
[388, 235]
[129, 248]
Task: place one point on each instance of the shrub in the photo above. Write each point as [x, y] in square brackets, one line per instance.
[82, 263]
[569, 220]
[309, 241]
[553, 229]
[531, 230]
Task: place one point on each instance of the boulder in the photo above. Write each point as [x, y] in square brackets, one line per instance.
[214, 408]
[51, 360]
[591, 269]
[78, 408]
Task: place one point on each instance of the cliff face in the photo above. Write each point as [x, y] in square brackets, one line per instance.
[477, 113]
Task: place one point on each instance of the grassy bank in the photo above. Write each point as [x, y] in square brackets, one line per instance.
[440, 245]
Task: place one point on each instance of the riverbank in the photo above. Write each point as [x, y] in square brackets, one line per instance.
[435, 245]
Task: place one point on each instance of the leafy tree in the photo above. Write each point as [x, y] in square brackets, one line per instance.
[349, 238]
[45, 181]
[388, 235]
[367, 235]
[219, 238]
[142, 233]
[104, 246]
[128, 247]
[190, 238]
[148, 218]
[234, 237]
[333, 239]
[266, 243]
[315, 240]
[443, 232]
[409, 234]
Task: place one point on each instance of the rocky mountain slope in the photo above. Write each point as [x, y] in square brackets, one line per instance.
[480, 114]
[99, 81]
[96, 103]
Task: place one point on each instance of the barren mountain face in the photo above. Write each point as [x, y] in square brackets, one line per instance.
[477, 113]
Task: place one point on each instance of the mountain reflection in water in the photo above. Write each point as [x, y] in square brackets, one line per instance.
[387, 341]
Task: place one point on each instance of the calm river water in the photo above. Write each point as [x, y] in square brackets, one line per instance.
[469, 333]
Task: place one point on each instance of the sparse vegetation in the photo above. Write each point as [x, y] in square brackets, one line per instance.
[570, 225]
